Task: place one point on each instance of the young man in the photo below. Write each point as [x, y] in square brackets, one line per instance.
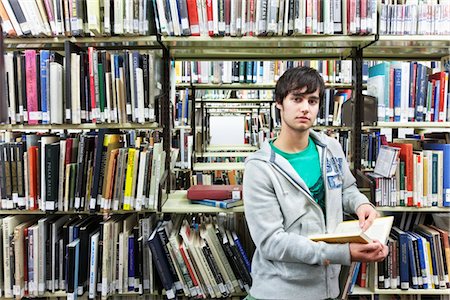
[297, 185]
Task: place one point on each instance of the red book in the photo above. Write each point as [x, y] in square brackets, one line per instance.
[32, 96]
[406, 155]
[32, 160]
[193, 17]
[92, 83]
[209, 16]
[214, 192]
[440, 76]
[69, 143]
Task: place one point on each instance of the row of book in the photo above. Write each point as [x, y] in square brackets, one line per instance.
[94, 172]
[424, 98]
[416, 17]
[265, 17]
[84, 86]
[79, 255]
[234, 95]
[199, 257]
[412, 173]
[77, 18]
[370, 145]
[231, 177]
[418, 259]
[260, 72]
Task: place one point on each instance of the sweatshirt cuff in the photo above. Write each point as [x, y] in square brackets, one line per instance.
[336, 254]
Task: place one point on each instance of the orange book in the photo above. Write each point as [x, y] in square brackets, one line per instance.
[6, 22]
[32, 161]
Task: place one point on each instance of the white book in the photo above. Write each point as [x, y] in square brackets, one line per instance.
[11, 82]
[56, 93]
[106, 259]
[29, 13]
[118, 16]
[232, 26]
[201, 21]
[128, 17]
[120, 287]
[93, 262]
[215, 10]
[36, 241]
[43, 14]
[163, 23]
[106, 16]
[140, 95]
[114, 277]
[140, 180]
[75, 88]
[175, 17]
[94, 21]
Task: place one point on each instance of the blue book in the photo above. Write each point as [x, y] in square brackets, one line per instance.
[423, 231]
[237, 242]
[255, 72]
[44, 67]
[445, 148]
[397, 93]
[412, 263]
[131, 270]
[249, 72]
[403, 261]
[219, 203]
[354, 277]
[436, 101]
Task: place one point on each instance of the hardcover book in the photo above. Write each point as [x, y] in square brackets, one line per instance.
[350, 232]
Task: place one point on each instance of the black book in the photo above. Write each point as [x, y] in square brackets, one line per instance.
[16, 63]
[99, 170]
[85, 230]
[38, 84]
[20, 150]
[137, 260]
[14, 177]
[52, 176]
[2, 172]
[126, 68]
[69, 48]
[160, 259]
[145, 71]
[23, 86]
[164, 240]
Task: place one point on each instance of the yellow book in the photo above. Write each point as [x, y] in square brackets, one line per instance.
[431, 265]
[129, 180]
[350, 232]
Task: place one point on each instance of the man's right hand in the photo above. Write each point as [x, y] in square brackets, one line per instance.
[372, 252]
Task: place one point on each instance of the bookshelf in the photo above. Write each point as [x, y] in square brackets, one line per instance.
[131, 223]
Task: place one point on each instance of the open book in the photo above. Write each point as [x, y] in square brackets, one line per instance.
[350, 232]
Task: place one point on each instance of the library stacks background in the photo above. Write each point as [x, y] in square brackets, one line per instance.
[108, 110]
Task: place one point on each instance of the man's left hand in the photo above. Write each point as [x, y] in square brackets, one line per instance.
[366, 214]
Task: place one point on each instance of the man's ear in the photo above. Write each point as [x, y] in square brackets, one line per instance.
[279, 105]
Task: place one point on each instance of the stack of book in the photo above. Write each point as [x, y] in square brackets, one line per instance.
[222, 196]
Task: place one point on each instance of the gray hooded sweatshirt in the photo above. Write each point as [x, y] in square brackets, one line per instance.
[281, 214]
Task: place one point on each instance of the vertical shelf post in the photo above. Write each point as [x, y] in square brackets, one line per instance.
[358, 108]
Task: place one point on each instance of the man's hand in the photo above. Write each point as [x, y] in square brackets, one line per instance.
[366, 214]
[372, 252]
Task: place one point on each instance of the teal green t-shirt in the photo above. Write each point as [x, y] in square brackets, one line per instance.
[307, 164]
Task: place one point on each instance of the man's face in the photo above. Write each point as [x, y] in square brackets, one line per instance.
[298, 110]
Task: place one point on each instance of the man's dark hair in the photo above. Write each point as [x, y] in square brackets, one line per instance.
[298, 78]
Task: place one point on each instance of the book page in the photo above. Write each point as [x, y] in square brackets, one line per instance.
[378, 231]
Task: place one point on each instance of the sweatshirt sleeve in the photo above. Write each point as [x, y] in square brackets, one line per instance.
[352, 198]
[265, 221]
